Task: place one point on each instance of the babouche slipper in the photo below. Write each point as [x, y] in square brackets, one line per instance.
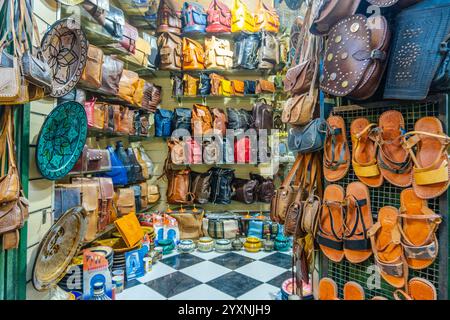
[417, 289]
[418, 228]
[431, 170]
[358, 221]
[336, 160]
[331, 223]
[364, 153]
[328, 289]
[387, 249]
[353, 291]
[393, 160]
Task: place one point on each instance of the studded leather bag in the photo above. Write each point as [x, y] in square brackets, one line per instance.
[219, 18]
[193, 17]
[170, 50]
[169, 20]
[356, 57]
[193, 55]
[218, 54]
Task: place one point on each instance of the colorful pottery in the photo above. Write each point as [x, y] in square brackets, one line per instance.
[237, 243]
[252, 244]
[186, 246]
[223, 245]
[205, 244]
[268, 244]
[282, 243]
[167, 246]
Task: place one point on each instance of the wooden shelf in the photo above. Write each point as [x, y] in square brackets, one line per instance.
[98, 133]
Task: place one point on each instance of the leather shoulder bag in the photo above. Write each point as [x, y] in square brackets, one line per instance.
[309, 138]
[193, 55]
[169, 20]
[219, 18]
[170, 50]
[193, 17]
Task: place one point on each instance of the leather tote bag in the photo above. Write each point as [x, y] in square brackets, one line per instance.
[189, 224]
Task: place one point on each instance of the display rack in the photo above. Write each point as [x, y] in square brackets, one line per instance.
[389, 195]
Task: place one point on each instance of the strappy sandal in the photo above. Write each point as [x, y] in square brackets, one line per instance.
[358, 220]
[418, 289]
[393, 160]
[364, 153]
[387, 249]
[328, 289]
[353, 291]
[336, 160]
[418, 229]
[331, 223]
[431, 170]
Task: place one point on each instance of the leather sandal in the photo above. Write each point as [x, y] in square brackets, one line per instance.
[364, 153]
[417, 289]
[336, 160]
[418, 229]
[431, 170]
[328, 289]
[331, 223]
[393, 160]
[353, 291]
[387, 249]
[358, 220]
[379, 298]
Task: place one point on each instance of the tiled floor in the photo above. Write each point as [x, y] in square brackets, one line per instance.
[212, 276]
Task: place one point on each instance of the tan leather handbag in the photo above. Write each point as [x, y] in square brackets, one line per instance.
[264, 86]
[218, 54]
[189, 224]
[170, 50]
[92, 73]
[125, 120]
[125, 201]
[190, 85]
[178, 191]
[215, 83]
[193, 55]
[201, 119]
[127, 85]
[299, 110]
[238, 87]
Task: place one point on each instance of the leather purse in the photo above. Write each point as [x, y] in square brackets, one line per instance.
[193, 55]
[219, 18]
[129, 37]
[269, 52]
[128, 83]
[238, 87]
[266, 19]
[226, 88]
[163, 123]
[244, 190]
[220, 122]
[125, 201]
[182, 120]
[92, 74]
[153, 194]
[262, 115]
[309, 138]
[249, 87]
[170, 50]
[142, 52]
[215, 83]
[246, 51]
[299, 110]
[265, 189]
[242, 20]
[190, 85]
[264, 86]
[239, 119]
[178, 191]
[359, 75]
[201, 187]
[218, 54]
[95, 157]
[177, 85]
[169, 20]
[221, 191]
[201, 121]
[204, 88]
[118, 172]
[115, 22]
[193, 17]
[111, 74]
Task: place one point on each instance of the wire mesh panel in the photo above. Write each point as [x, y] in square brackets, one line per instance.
[389, 195]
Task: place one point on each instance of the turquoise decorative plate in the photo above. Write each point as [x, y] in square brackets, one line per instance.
[61, 140]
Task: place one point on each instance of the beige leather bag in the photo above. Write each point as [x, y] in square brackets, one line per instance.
[218, 54]
[125, 201]
[153, 194]
[299, 110]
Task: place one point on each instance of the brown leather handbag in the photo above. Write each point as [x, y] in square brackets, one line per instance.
[201, 186]
[219, 18]
[124, 120]
[201, 119]
[178, 191]
[152, 97]
[193, 55]
[92, 73]
[264, 86]
[190, 85]
[220, 121]
[238, 87]
[218, 54]
[127, 85]
[169, 19]
[170, 50]
[189, 224]
[215, 83]
[299, 110]
[111, 74]
[125, 201]
[355, 58]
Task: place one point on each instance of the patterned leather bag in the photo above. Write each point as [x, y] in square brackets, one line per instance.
[219, 18]
[218, 54]
[193, 55]
[193, 17]
[169, 20]
[170, 50]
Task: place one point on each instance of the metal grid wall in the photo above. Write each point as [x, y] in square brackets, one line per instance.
[390, 195]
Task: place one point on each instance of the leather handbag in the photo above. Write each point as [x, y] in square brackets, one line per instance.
[309, 138]
[177, 85]
[123, 120]
[135, 166]
[220, 122]
[269, 52]
[264, 86]
[95, 157]
[127, 85]
[177, 151]
[153, 194]
[143, 157]
[82, 163]
[244, 190]
[178, 191]
[226, 88]
[299, 110]
[99, 116]
[246, 51]
[212, 151]
[115, 22]
[201, 187]
[194, 153]
[416, 57]
[182, 120]
[266, 19]
[219, 18]
[129, 37]
[221, 191]
[242, 20]
[330, 12]
[239, 119]
[190, 85]
[89, 109]
[265, 189]
[163, 123]
[142, 163]
[193, 55]
[170, 50]
[111, 74]
[204, 88]
[142, 52]
[118, 172]
[238, 87]
[138, 95]
[249, 87]
[169, 20]
[360, 74]
[92, 74]
[221, 228]
[125, 201]
[193, 17]
[189, 224]
[262, 115]
[125, 160]
[201, 121]
[215, 83]
[218, 54]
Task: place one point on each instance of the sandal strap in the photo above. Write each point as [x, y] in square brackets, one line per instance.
[425, 252]
[360, 244]
[429, 215]
[329, 243]
[333, 231]
[332, 163]
[403, 166]
[429, 175]
[395, 269]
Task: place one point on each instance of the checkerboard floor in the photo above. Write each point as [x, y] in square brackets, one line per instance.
[212, 276]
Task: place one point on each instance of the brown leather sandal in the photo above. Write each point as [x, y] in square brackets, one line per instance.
[393, 160]
[387, 249]
[364, 153]
[418, 229]
[328, 289]
[354, 291]
[358, 221]
[417, 289]
[336, 160]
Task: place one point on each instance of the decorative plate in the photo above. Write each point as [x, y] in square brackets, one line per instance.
[65, 47]
[61, 140]
[58, 248]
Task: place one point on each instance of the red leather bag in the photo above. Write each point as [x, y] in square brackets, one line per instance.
[219, 17]
[243, 150]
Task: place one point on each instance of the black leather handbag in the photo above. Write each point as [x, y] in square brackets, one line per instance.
[126, 162]
[239, 119]
[249, 87]
[136, 168]
[221, 185]
[115, 22]
[265, 189]
[204, 88]
[246, 51]
[182, 119]
[244, 190]
[177, 85]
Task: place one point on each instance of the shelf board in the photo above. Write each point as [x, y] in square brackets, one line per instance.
[98, 133]
[210, 97]
[257, 206]
[229, 72]
[86, 173]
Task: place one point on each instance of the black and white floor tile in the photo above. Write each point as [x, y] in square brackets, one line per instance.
[212, 276]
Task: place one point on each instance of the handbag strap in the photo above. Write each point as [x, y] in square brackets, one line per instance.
[294, 172]
[302, 33]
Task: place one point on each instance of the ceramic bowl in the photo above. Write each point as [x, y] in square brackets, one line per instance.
[186, 246]
[205, 244]
[168, 245]
[223, 245]
[282, 244]
[252, 244]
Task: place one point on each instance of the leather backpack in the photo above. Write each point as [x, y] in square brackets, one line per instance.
[218, 54]
[262, 115]
[193, 17]
[153, 56]
[239, 119]
[244, 190]
[163, 123]
[269, 52]
[118, 172]
[125, 160]
[241, 18]
[201, 120]
[212, 151]
[190, 85]
[246, 51]
[169, 20]
[220, 122]
[136, 168]
[215, 83]
[243, 150]
[219, 18]
[204, 88]
[267, 19]
[178, 191]
[221, 185]
[265, 189]
[193, 55]
[177, 151]
[193, 151]
[170, 50]
[182, 119]
[201, 187]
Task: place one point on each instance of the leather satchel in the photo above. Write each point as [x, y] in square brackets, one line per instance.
[219, 18]
[264, 86]
[170, 50]
[244, 190]
[92, 74]
[307, 139]
[201, 120]
[226, 88]
[193, 55]
[169, 20]
[299, 110]
[190, 85]
[129, 37]
[238, 87]
[111, 73]
[182, 120]
[239, 119]
[265, 189]
[269, 52]
[266, 19]
[242, 20]
[218, 54]
[201, 187]
[125, 201]
[204, 88]
[193, 17]
[221, 191]
[215, 83]
[220, 122]
[189, 224]
[127, 85]
[246, 51]
[262, 115]
[359, 74]
[178, 191]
